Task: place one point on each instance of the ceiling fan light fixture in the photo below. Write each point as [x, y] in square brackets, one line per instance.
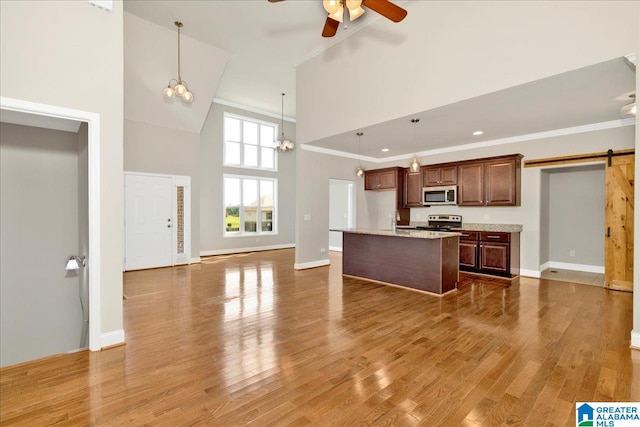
[331, 6]
[629, 110]
[338, 14]
[355, 9]
[169, 92]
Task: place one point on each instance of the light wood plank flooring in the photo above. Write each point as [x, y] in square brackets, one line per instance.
[245, 339]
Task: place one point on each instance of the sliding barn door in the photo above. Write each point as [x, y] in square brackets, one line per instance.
[619, 224]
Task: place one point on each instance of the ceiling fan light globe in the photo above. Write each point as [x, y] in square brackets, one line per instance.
[169, 93]
[337, 15]
[331, 6]
[180, 89]
[188, 96]
[354, 8]
[628, 110]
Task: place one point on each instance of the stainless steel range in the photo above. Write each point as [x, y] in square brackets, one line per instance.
[442, 222]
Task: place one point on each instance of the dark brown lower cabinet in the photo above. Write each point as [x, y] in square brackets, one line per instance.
[496, 253]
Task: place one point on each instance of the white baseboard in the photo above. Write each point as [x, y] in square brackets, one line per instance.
[574, 267]
[112, 338]
[243, 250]
[335, 248]
[529, 273]
[312, 264]
[635, 339]
[195, 260]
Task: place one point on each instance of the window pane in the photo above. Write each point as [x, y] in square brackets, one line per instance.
[250, 219]
[251, 155]
[266, 193]
[232, 218]
[231, 191]
[250, 133]
[231, 129]
[267, 158]
[249, 192]
[267, 135]
[266, 219]
[232, 153]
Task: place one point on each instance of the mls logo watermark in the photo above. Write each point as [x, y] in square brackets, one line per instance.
[608, 414]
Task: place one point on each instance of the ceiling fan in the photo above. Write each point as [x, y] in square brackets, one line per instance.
[335, 10]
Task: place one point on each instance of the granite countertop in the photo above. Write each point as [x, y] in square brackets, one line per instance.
[506, 228]
[415, 234]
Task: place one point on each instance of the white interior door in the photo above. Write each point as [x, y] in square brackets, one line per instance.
[148, 221]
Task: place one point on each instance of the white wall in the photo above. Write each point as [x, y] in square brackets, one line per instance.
[576, 215]
[339, 209]
[70, 54]
[211, 196]
[40, 309]
[445, 52]
[544, 218]
[155, 149]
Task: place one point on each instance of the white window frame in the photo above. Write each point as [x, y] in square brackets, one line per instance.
[241, 232]
[242, 143]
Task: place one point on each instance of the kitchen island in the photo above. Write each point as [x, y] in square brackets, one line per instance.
[421, 260]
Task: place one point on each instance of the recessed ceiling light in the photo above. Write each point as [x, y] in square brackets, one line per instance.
[478, 132]
[384, 150]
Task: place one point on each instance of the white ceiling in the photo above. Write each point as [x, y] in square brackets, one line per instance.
[265, 42]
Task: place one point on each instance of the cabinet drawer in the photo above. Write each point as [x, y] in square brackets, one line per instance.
[488, 236]
[468, 235]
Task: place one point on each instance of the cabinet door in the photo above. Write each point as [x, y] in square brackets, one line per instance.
[468, 254]
[449, 175]
[494, 257]
[500, 183]
[387, 180]
[412, 196]
[471, 184]
[371, 181]
[431, 177]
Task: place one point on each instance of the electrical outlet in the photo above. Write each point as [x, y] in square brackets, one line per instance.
[323, 251]
[486, 217]
[572, 253]
[307, 217]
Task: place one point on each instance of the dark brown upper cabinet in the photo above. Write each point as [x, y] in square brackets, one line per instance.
[491, 182]
[381, 179]
[412, 196]
[433, 176]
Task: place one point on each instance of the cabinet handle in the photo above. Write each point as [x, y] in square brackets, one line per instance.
[465, 235]
[493, 237]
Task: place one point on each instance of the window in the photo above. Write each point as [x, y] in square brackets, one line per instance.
[249, 143]
[249, 205]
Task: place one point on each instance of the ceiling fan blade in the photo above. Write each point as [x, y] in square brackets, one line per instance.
[330, 27]
[386, 9]
[274, 1]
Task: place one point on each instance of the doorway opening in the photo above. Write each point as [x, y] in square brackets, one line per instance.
[572, 242]
[75, 160]
[342, 210]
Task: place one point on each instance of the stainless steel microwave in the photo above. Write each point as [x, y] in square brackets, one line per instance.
[446, 195]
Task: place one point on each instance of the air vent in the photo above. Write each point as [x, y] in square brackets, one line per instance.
[102, 4]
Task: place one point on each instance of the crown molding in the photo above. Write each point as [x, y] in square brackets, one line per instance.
[463, 147]
[252, 109]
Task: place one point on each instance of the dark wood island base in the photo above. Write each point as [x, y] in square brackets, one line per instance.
[420, 260]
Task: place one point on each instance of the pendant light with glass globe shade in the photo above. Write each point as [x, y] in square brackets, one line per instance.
[359, 170]
[283, 145]
[414, 166]
[335, 9]
[178, 87]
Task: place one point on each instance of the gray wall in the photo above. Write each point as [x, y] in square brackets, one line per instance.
[86, 77]
[211, 202]
[154, 149]
[576, 215]
[40, 309]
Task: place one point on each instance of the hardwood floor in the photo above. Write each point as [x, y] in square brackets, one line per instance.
[245, 339]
